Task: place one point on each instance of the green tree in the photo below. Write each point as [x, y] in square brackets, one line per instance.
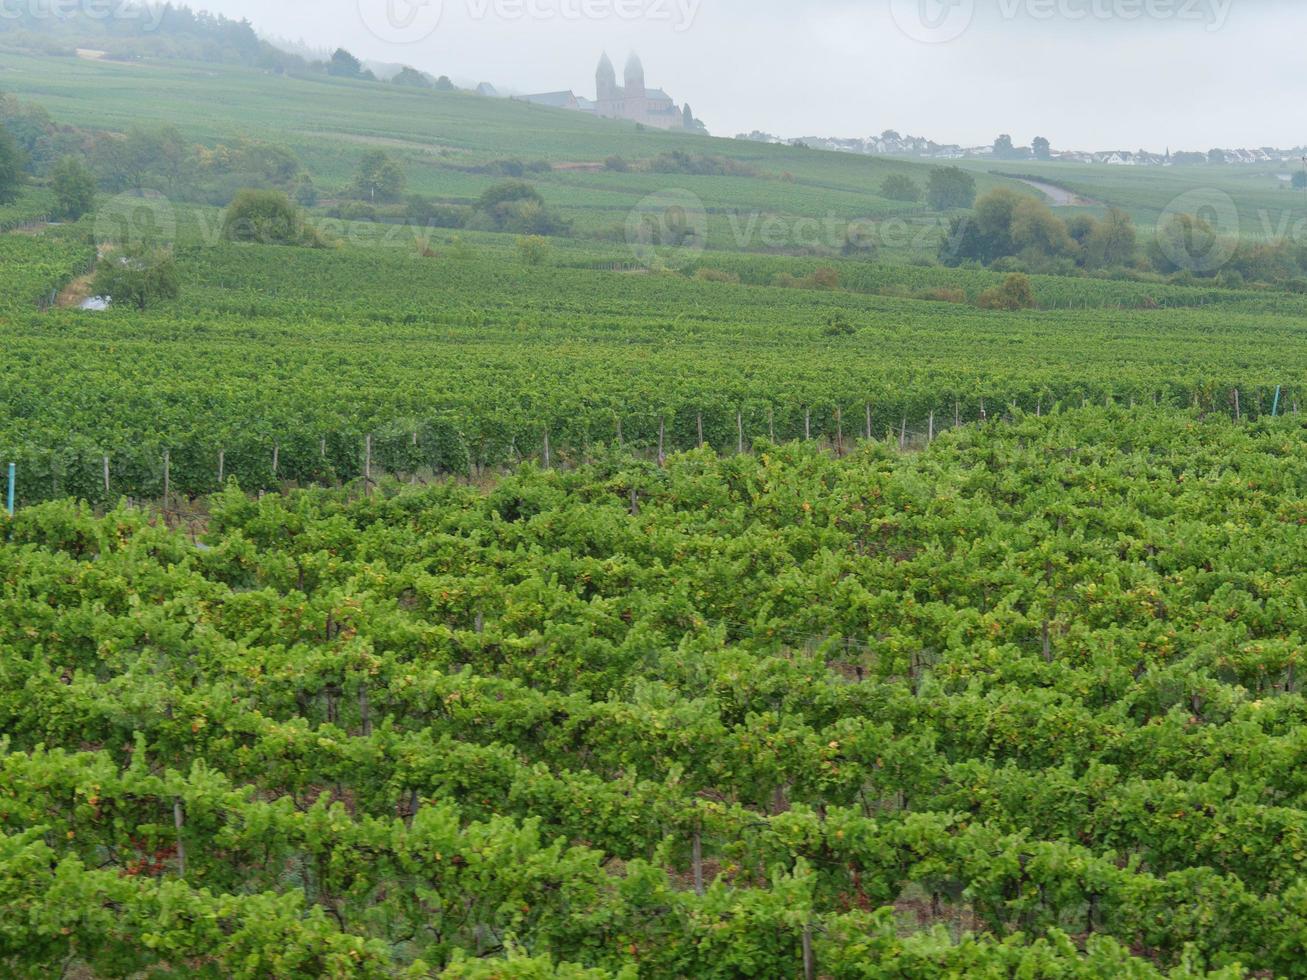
[1016, 293]
[533, 249]
[379, 178]
[949, 188]
[1003, 148]
[1112, 242]
[1300, 180]
[1043, 150]
[344, 65]
[900, 187]
[74, 188]
[138, 277]
[11, 167]
[267, 217]
[412, 78]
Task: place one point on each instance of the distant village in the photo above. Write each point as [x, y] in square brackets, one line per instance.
[891, 143]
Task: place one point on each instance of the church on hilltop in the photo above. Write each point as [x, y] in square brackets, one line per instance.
[633, 101]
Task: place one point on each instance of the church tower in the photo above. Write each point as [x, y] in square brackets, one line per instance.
[606, 81]
[634, 77]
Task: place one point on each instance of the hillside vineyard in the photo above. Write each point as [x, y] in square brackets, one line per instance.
[1038, 683]
[452, 536]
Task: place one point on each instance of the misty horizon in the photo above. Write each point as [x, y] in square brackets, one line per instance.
[1085, 74]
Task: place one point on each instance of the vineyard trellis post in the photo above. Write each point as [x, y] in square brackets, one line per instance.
[167, 477]
[546, 448]
[739, 432]
[662, 440]
[222, 466]
[869, 421]
[13, 484]
[106, 477]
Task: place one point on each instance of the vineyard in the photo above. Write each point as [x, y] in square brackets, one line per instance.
[1025, 703]
[433, 595]
[276, 368]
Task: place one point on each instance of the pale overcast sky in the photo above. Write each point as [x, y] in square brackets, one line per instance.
[1088, 74]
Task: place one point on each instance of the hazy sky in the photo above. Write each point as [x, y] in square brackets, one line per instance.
[1089, 74]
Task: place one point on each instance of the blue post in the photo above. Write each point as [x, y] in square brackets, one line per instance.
[1275, 409]
[13, 479]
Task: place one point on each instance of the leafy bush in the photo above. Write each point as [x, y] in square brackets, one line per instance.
[950, 187]
[268, 218]
[1016, 293]
[379, 179]
[900, 187]
[74, 189]
[823, 278]
[533, 249]
[138, 277]
[426, 213]
[838, 325]
[515, 206]
[700, 165]
[709, 274]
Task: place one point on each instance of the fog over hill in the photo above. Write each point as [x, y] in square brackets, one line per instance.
[1084, 73]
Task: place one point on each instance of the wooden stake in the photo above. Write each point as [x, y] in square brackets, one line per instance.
[167, 477]
[869, 421]
[367, 464]
[276, 458]
[547, 459]
[699, 421]
[739, 432]
[930, 432]
[839, 431]
[809, 959]
[222, 464]
[179, 822]
[662, 440]
[106, 476]
[903, 433]
[696, 848]
[807, 424]
[1237, 412]
[365, 711]
[771, 423]
[620, 442]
